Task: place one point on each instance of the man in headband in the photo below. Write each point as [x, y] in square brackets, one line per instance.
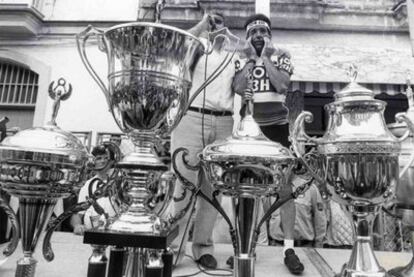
[264, 74]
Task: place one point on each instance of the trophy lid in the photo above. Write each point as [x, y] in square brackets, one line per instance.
[354, 91]
[47, 144]
[247, 144]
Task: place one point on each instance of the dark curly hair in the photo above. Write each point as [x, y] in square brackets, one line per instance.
[103, 150]
[258, 16]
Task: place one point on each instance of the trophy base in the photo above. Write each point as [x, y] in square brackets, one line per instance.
[402, 271]
[244, 266]
[351, 272]
[127, 239]
[26, 267]
[136, 223]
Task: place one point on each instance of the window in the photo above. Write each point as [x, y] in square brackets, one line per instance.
[18, 85]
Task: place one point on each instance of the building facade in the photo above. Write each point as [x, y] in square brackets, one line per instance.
[38, 46]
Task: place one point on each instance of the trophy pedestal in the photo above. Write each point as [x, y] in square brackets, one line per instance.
[406, 271]
[125, 239]
[148, 253]
[352, 272]
[244, 266]
[363, 262]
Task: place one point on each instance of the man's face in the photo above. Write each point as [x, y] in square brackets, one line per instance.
[257, 35]
[218, 21]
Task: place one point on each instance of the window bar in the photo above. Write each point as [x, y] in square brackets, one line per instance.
[22, 93]
[5, 94]
[34, 89]
[1, 83]
[27, 82]
[11, 84]
[17, 86]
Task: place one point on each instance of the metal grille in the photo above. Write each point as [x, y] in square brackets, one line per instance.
[18, 85]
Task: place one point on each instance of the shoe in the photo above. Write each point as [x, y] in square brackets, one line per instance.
[207, 261]
[230, 262]
[292, 262]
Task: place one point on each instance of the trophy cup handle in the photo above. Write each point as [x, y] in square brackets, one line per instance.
[81, 40]
[186, 183]
[299, 138]
[47, 248]
[231, 39]
[403, 117]
[15, 229]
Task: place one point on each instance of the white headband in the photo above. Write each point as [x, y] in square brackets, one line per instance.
[257, 23]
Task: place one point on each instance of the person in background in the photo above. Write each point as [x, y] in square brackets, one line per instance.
[104, 162]
[209, 118]
[310, 221]
[339, 233]
[265, 70]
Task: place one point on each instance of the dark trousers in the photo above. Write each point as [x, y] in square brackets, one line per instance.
[298, 243]
[277, 133]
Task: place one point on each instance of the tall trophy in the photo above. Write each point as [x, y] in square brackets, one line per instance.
[39, 166]
[404, 191]
[359, 158]
[247, 166]
[150, 68]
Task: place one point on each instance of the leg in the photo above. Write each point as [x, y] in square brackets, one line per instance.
[190, 124]
[206, 214]
[204, 221]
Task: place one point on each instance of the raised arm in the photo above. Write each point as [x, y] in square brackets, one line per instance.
[279, 74]
[201, 27]
[241, 78]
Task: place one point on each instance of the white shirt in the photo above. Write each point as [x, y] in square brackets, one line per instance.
[104, 202]
[219, 95]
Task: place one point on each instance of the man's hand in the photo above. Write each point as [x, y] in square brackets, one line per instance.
[268, 48]
[249, 51]
[206, 22]
[79, 229]
[247, 94]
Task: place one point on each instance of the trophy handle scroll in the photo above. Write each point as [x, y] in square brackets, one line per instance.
[103, 189]
[81, 40]
[15, 229]
[311, 160]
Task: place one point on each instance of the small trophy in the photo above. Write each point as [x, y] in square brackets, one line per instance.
[359, 163]
[39, 166]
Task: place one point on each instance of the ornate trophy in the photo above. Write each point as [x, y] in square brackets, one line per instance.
[405, 188]
[40, 165]
[248, 167]
[150, 67]
[359, 158]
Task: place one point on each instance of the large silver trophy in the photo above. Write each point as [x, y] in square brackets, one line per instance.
[39, 166]
[247, 167]
[359, 158]
[150, 68]
[404, 191]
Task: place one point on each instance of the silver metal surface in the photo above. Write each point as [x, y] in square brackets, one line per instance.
[39, 166]
[248, 163]
[150, 68]
[149, 73]
[359, 159]
[247, 166]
